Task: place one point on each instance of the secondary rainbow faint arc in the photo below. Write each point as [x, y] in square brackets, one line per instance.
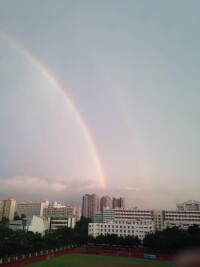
[52, 79]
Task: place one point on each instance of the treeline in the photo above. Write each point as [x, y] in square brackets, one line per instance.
[114, 240]
[18, 242]
[170, 240]
[173, 239]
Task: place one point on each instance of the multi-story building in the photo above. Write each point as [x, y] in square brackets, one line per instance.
[159, 220]
[98, 217]
[55, 208]
[118, 202]
[58, 221]
[108, 214]
[105, 202]
[36, 224]
[182, 219]
[29, 209]
[134, 214]
[7, 208]
[188, 206]
[75, 210]
[187, 214]
[90, 205]
[124, 214]
[123, 222]
[122, 228]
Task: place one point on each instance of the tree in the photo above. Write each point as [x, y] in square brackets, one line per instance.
[81, 229]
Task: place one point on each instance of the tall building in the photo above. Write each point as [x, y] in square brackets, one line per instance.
[118, 202]
[7, 208]
[105, 202]
[90, 205]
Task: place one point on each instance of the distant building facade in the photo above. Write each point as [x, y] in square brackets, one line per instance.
[105, 216]
[181, 219]
[105, 202]
[75, 210]
[29, 209]
[118, 202]
[7, 208]
[90, 205]
[57, 208]
[188, 206]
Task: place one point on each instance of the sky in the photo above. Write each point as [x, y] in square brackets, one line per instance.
[100, 97]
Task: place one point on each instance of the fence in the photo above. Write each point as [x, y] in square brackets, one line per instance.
[39, 255]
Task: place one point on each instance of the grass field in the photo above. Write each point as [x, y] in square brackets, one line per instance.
[81, 260]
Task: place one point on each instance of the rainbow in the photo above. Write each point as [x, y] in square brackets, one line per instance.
[58, 86]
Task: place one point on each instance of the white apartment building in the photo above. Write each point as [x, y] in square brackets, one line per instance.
[122, 228]
[29, 209]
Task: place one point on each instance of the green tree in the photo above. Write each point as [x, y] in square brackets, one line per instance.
[81, 229]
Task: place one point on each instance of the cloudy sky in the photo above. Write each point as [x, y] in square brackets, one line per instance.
[100, 97]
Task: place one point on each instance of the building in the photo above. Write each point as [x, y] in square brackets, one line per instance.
[134, 214]
[159, 220]
[36, 224]
[124, 214]
[123, 222]
[118, 202]
[122, 228]
[29, 209]
[90, 205]
[75, 210]
[7, 208]
[108, 215]
[181, 219]
[56, 222]
[105, 202]
[98, 217]
[188, 206]
[55, 208]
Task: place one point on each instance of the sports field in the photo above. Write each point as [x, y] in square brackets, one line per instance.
[81, 260]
